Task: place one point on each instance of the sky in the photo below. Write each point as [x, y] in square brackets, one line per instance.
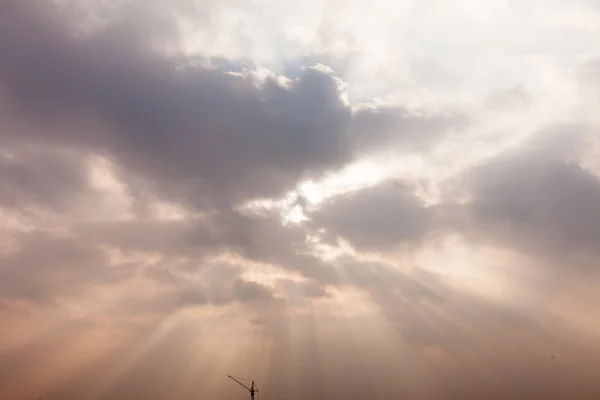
[338, 199]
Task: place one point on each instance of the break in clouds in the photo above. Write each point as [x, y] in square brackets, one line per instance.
[330, 220]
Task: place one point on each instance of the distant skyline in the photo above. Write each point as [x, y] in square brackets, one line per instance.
[338, 199]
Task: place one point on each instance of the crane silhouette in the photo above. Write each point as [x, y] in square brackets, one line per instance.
[252, 389]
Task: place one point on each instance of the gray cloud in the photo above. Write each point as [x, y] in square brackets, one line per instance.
[300, 290]
[217, 284]
[42, 180]
[176, 130]
[45, 266]
[197, 135]
[185, 244]
[400, 130]
[383, 217]
[246, 291]
[538, 198]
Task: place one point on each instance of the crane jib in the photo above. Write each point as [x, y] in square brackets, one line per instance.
[252, 389]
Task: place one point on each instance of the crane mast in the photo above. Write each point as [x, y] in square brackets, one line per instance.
[252, 389]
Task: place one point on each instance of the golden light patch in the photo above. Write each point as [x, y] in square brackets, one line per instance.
[348, 302]
[355, 176]
[483, 271]
[116, 203]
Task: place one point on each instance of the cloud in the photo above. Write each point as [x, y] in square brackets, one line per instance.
[186, 244]
[46, 266]
[218, 285]
[515, 97]
[42, 180]
[378, 218]
[146, 243]
[537, 198]
[391, 128]
[197, 134]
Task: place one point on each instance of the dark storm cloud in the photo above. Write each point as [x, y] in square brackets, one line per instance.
[382, 217]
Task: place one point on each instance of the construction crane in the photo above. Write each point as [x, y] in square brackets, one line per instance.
[252, 389]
